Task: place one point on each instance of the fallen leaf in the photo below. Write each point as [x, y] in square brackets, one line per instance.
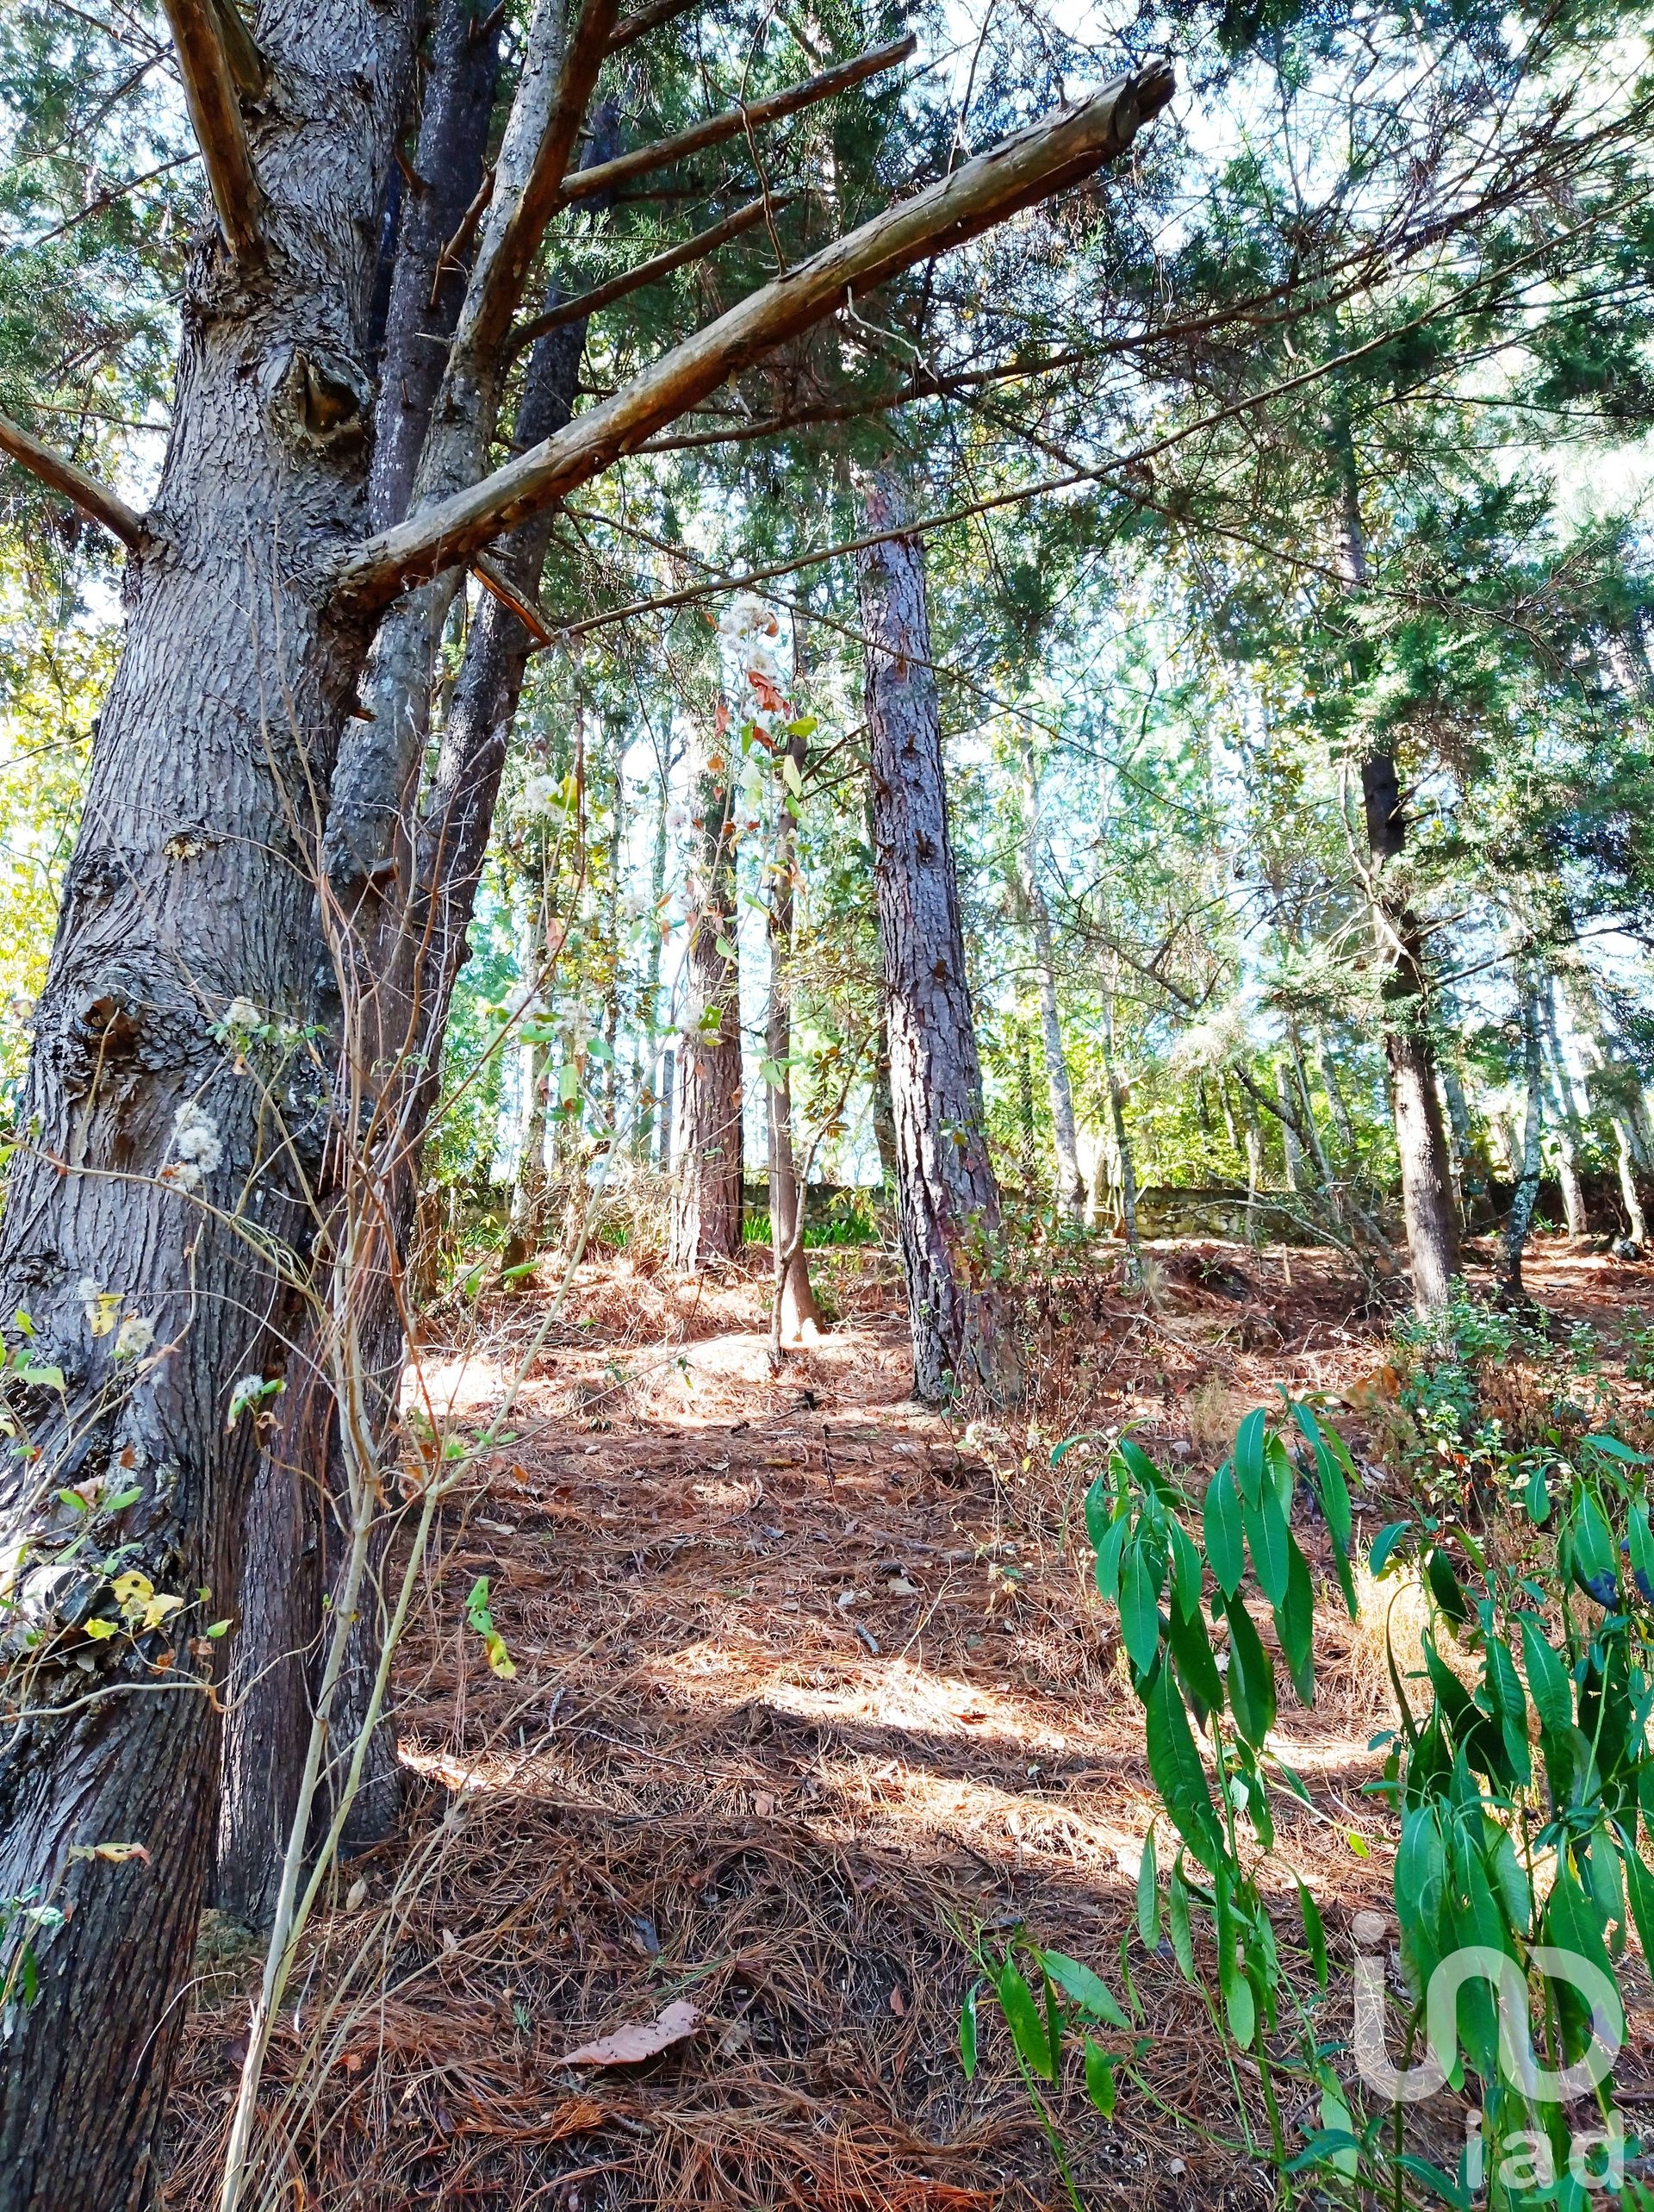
[899, 2004]
[358, 1894]
[450, 1943]
[629, 2046]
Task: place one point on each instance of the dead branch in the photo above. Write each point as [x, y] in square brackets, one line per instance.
[73, 483]
[633, 280]
[521, 601]
[547, 183]
[209, 91]
[632, 28]
[980, 193]
[734, 121]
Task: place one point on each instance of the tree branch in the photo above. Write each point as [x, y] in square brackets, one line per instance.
[215, 115]
[632, 28]
[547, 184]
[633, 280]
[73, 483]
[735, 121]
[979, 194]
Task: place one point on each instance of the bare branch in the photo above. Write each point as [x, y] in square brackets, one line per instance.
[215, 114]
[735, 121]
[546, 184]
[646, 272]
[73, 483]
[979, 194]
[522, 603]
[632, 28]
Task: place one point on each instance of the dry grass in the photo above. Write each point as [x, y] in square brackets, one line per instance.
[813, 1686]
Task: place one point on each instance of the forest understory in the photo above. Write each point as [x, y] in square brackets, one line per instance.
[813, 1690]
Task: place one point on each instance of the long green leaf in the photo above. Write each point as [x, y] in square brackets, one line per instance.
[1269, 1541]
[1178, 1776]
[1249, 1456]
[1089, 1991]
[1295, 1622]
[1149, 1894]
[1252, 1675]
[1140, 1574]
[1027, 2031]
[1226, 1547]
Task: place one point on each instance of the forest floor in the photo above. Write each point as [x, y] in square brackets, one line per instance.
[812, 1692]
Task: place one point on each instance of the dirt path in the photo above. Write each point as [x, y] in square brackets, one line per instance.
[810, 1688]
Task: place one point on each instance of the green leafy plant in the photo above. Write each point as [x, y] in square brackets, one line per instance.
[1518, 1877]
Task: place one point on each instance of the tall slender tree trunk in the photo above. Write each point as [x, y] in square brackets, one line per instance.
[1121, 1138]
[1428, 1210]
[796, 1316]
[1071, 1183]
[1307, 1109]
[1613, 1088]
[159, 1172]
[648, 1012]
[706, 1185]
[947, 1200]
[1568, 1133]
[1292, 1143]
[1254, 1162]
[1524, 1198]
[427, 285]
[1427, 1205]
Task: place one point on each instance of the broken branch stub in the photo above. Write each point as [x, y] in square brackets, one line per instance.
[980, 193]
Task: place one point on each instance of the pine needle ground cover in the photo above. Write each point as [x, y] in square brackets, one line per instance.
[813, 1698]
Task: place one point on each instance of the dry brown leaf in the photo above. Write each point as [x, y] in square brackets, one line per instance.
[629, 2046]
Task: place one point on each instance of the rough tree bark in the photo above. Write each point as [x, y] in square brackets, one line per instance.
[189, 888]
[427, 288]
[706, 1183]
[947, 1200]
[285, 1532]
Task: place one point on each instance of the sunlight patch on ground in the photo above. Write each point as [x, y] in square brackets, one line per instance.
[896, 1695]
[450, 1388]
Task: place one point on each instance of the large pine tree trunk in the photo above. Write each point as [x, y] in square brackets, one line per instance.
[947, 1200]
[706, 1184]
[189, 888]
